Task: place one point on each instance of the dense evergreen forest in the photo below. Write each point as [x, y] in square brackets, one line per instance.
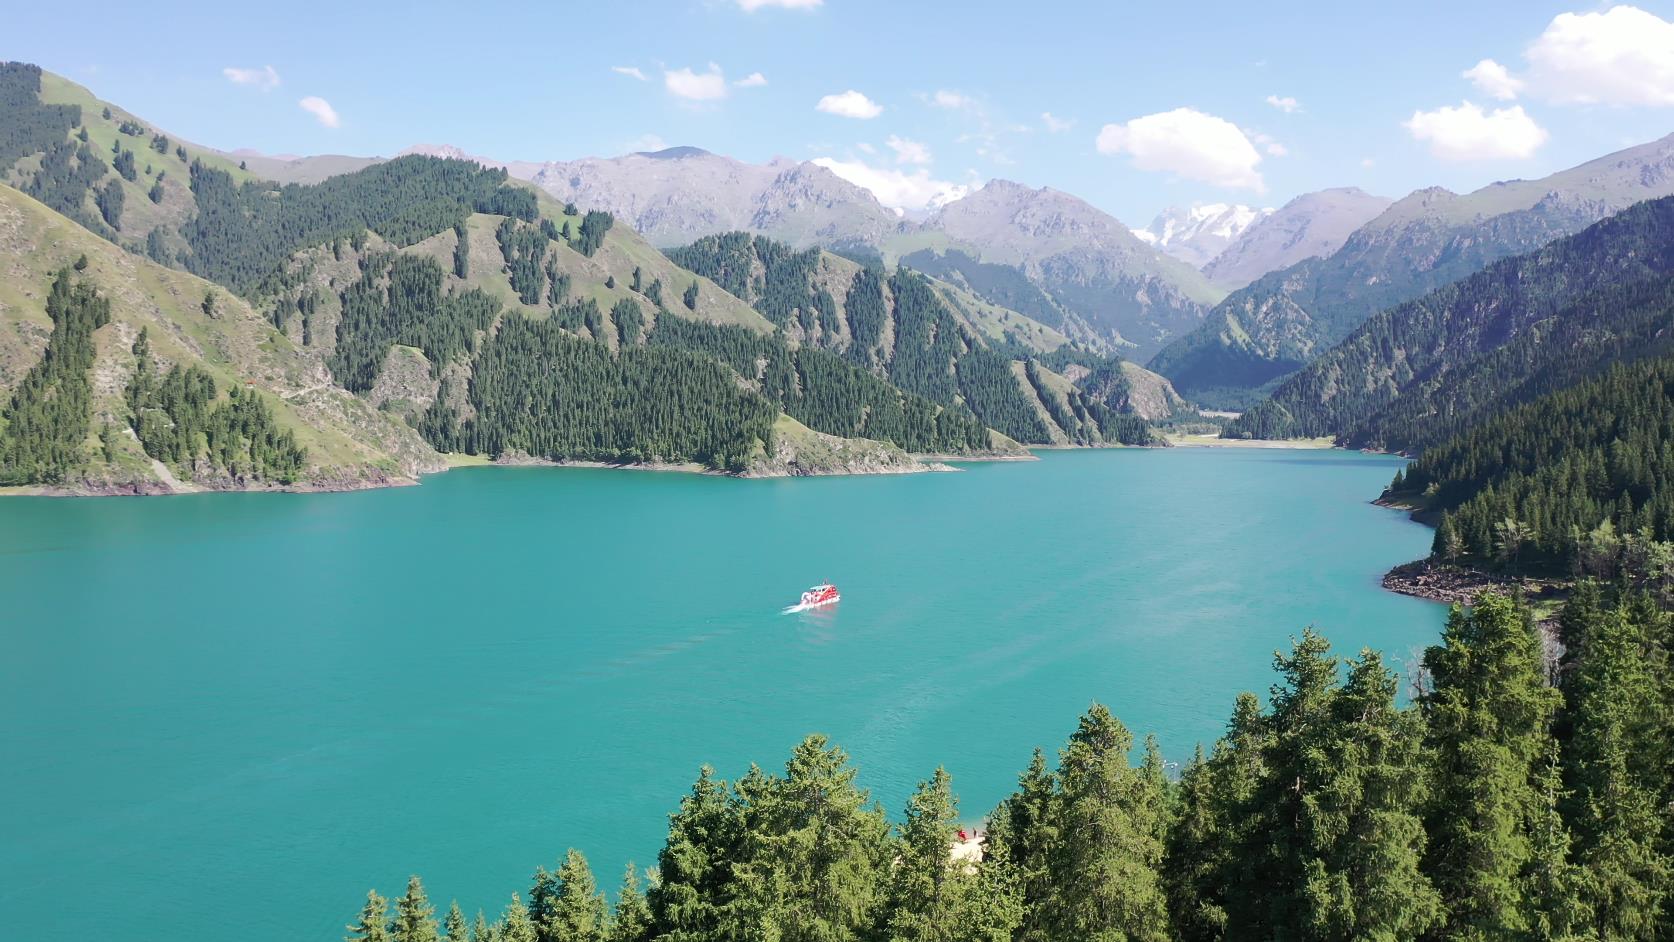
[825, 392]
[44, 426]
[243, 233]
[399, 299]
[1558, 482]
[931, 354]
[1512, 799]
[1522, 326]
[179, 420]
[770, 276]
[536, 388]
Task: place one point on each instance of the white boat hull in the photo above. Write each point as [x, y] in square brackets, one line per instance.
[808, 606]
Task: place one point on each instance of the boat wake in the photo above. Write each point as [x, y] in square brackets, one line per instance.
[817, 597]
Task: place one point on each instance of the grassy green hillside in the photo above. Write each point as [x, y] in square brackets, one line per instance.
[424, 304]
[347, 441]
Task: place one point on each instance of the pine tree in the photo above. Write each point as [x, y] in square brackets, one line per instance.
[1555, 886]
[1206, 865]
[813, 853]
[1027, 829]
[694, 869]
[1105, 874]
[1489, 718]
[415, 918]
[480, 931]
[374, 921]
[515, 925]
[1615, 711]
[1271, 899]
[1368, 837]
[928, 891]
[631, 921]
[454, 925]
[566, 906]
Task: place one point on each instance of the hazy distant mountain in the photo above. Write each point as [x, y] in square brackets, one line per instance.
[1046, 254]
[680, 194]
[1313, 224]
[289, 168]
[1060, 260]
[1200, 234]
[1432, 237]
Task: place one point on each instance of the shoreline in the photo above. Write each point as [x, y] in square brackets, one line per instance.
[1215, 441]
[1458, 585]
[922, 464]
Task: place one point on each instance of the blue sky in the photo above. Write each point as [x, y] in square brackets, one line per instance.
[1151, 105]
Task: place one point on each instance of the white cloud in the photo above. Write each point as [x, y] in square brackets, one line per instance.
[1055, 124]
[1286, 104]
[751, 6]
[1189, 143]
[942, 98]
[1267, 143]
[753, 80]
[631, 71]
[321, 109]
[696, 86]
[908, 152]
[646, 143]
[849, 104]
[1494, 80]
[898, 189]
[1469, 133]
[264, 78]
[1622, 56]
[1368, 163]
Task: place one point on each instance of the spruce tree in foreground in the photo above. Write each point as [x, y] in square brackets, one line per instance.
[1210, 845]
[415, 918]
[373, 925]
[1026, 830]
[515, 925]
[454, 925]
[1619, 783]
[1105, 883]
[813, 855]
[567, 906]
[1489, 716]
[632, 919]
[695, 865]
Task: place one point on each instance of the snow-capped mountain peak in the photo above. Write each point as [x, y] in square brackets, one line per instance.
[1198, 234]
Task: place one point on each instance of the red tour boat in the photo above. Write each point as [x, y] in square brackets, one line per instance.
[824, 594]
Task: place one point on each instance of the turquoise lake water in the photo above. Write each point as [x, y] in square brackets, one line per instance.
[242, 711]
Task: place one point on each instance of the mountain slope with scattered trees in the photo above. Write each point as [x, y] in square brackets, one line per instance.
[1427, 240]
[1525, 325]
